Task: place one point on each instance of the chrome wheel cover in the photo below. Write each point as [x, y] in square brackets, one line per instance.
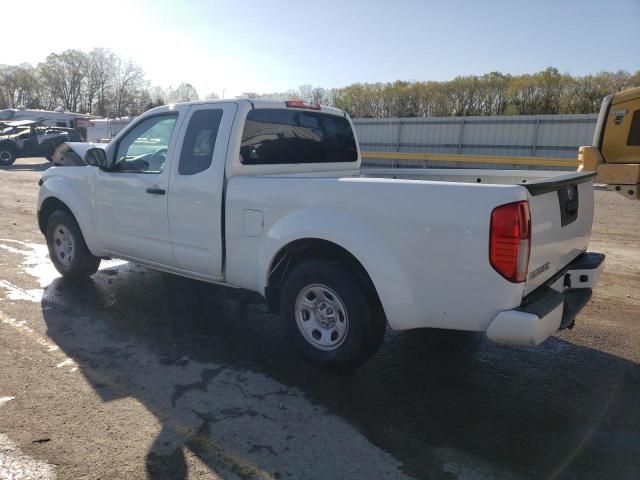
[63, 245]
[321, 317]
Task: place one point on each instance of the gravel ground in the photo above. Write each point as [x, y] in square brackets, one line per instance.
[140, 374]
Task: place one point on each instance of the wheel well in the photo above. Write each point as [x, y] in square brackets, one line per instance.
[49, 206]
[8, 145]
[307, 248]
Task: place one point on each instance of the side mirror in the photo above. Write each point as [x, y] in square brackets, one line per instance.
[96, 157]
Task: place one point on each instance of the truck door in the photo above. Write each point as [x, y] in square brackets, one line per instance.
[131, 200]
[196, 189]
[29, 143]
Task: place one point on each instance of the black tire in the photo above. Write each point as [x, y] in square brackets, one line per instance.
[80, 262]
[7, 155]
[365, 322]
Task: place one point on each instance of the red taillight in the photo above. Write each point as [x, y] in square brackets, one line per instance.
[301, 104]
[510, 240]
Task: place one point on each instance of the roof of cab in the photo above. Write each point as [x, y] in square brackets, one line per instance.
[256, 103]
[626, 95]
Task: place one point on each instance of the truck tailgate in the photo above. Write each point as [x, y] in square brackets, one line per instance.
[561, 217]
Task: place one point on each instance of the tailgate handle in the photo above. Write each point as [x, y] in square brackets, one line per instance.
[571, 207]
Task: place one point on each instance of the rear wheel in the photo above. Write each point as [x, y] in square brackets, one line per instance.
[328, 314]
[67, 248]
[7, 154]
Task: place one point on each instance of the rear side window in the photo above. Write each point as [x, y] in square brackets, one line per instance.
[199, 142]
[275, 136]
[634, 131]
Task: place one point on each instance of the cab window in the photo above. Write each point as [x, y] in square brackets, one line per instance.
[634, 130]
[199, 141]
[276, 136]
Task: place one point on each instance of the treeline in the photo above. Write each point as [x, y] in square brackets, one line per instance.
[97, 82]
[495, 93]
[101, 83]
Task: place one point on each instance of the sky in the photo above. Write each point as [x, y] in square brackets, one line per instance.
[230, 47]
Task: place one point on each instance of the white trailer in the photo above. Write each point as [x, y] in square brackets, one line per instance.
[105, 128]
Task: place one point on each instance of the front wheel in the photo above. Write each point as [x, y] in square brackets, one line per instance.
[328, 316]
[7, 155]
[67, 248]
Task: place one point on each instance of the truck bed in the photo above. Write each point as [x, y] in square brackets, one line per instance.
[561, 205]
[433, 225]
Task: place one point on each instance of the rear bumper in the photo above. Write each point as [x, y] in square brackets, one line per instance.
[553, 306]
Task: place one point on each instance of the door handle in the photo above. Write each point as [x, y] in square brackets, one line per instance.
[156, 191]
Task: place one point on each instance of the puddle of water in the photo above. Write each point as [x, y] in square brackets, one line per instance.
[17, 465]
[17, 293]
[36, 263]
[36, 260]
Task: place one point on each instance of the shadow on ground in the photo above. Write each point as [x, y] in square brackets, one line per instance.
[441, 403]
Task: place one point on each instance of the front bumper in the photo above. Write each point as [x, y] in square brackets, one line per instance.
[553, 306]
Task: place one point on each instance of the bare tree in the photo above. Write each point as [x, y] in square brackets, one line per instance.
[157, 96]
[128, 83]
[184, 93]
[102, 65]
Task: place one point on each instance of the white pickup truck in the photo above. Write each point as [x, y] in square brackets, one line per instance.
[270, 197]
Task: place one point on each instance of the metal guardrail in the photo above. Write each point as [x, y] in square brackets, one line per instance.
[482, 159]
[519, 135]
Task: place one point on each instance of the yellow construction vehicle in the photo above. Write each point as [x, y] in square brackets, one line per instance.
[615, 153]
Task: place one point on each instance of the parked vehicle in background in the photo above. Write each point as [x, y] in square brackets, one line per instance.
[29, 139]
[56, 118]
[615, 151]
[269, 196]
